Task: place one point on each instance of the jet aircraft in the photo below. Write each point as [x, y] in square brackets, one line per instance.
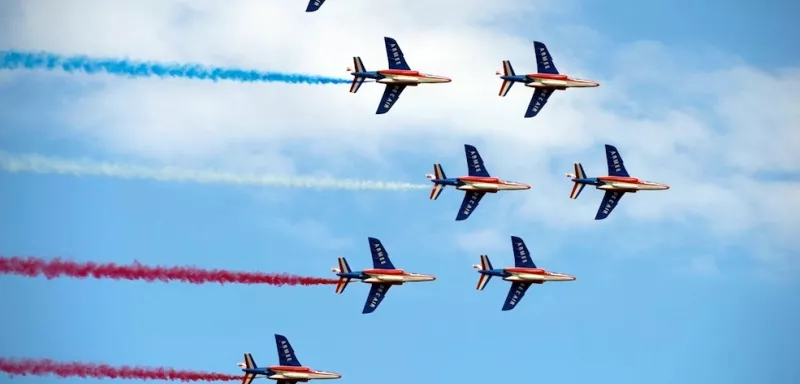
[476, 185]
[615, 184]
[288, 371]
[397, 77]
[546, 81]
[313, 5]
[382, 276]
[522, 275]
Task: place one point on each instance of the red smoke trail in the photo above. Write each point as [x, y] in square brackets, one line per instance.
[24, 367]
[32, 266]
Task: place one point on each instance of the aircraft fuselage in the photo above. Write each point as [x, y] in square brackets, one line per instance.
[387, 276]
[560, 82]
[527, 275]
[626, 184]
[482, 184]
[299, 374]
[402, 77]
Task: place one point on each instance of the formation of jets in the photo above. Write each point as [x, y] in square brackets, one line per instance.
[399, 76]
[478, 182]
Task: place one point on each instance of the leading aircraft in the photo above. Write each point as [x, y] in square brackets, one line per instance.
[382, 276]
[288, 371]
[313, 5]
[545, 81]
[477, 184]
[616, 184]
[522, 275]
[397, 77]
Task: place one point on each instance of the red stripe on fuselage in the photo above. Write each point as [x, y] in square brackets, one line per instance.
[620, 179]
[533, 271]
[384, 272]
[481, 179]
[548, 76]
[400, 72]
[289, 368]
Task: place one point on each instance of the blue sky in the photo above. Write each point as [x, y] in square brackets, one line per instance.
[696, 284]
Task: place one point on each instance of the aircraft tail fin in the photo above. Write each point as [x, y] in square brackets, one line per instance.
[438, 174]
[248, 363]
[485, 265]
[578, 186]
[508, 70]
[343, 281]
[357, 80]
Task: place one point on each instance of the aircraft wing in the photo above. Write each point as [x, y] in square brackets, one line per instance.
[390, 96]
[468, 205]
[380, 258]
[610, 201]
[376, 294]
[475, 165]
[314, 5]
[286, 356]
[615, 165]
[515, 294]
[544, 62]
[395, 55]
[538, 100]
[522, 258]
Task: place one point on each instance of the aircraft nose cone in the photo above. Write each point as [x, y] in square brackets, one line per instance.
[666, 187]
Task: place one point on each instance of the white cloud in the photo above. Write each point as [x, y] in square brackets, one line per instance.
[710, 131]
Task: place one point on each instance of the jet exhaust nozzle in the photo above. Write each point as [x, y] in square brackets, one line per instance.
[241, 365]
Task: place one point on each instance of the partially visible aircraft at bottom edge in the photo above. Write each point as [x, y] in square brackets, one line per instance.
[288, 371]
[522, 275]
[616, 184]
[382, 276]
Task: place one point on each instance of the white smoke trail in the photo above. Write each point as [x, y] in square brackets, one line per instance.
[54, 165]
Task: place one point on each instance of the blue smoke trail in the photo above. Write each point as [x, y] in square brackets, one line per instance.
[51, 61]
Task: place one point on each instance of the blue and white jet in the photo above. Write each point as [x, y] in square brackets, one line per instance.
[288, 371]
[522, 275]
[616, 184]
[382, 276]
[397, 77]
[546, 81]
[476, 185]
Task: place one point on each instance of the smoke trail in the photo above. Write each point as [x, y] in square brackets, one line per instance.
[41, 164]
[34, 266]
[42, 367]
[124, 67]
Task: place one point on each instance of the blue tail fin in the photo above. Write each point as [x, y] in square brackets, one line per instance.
[486, 265]
[343, 281]
[286, 356]
[357, 80]
[508, 70]
[438, 174]
[577, 187]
